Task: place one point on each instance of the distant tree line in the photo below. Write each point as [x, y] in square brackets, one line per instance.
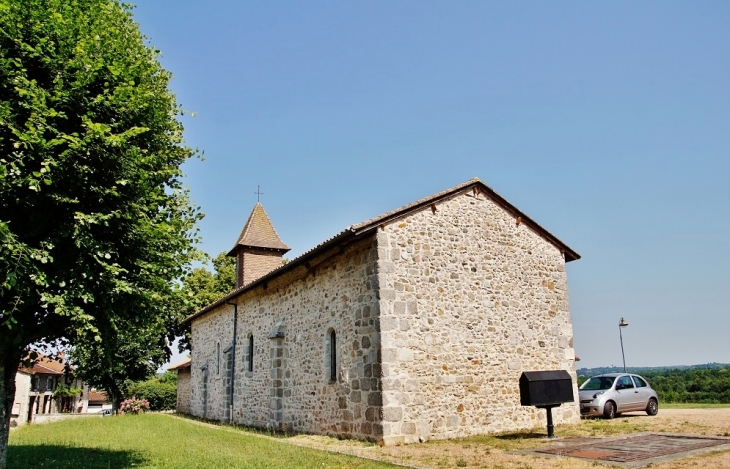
[706, 384]
[694, 385]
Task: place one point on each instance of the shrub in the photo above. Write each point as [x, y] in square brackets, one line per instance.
[67, 391]
[159, 395]
[134, 406]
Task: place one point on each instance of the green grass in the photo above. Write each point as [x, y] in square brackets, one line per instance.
[159, 441]
[664, 405]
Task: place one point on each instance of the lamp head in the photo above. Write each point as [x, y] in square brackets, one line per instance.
[623, 323]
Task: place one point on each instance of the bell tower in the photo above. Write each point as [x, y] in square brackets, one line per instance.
[259, 249]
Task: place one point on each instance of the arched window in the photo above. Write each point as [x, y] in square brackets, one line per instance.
[217, 357]
[250, 353]
[333, 355]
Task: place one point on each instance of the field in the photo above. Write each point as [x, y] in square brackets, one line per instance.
[165, 441]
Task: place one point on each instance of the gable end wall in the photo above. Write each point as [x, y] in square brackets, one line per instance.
[469, 300]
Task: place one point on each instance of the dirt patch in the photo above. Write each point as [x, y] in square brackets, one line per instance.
[493, 451]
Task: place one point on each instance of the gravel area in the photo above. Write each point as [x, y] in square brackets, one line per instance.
[496, 451]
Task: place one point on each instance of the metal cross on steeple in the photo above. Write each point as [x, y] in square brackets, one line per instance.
[258, 193]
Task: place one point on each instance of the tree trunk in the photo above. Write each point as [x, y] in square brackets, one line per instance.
[8, 368]
[116, 402]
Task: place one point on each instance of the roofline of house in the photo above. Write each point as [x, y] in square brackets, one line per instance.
[354, 231]
[50, 371]
[45, 370]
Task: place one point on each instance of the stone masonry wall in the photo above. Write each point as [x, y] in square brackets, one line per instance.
[183, 391]
[211, 334]
[290, 319]
[469, 299]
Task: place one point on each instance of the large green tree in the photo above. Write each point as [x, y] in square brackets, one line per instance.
[202, 287]
[138, 349]
[133, 353]
[95, 225]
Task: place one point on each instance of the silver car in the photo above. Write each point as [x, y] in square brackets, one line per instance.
[612, 394]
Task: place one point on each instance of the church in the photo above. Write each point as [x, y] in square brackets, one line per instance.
[413, 325]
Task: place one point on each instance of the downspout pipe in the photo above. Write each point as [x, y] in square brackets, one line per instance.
[233, 358]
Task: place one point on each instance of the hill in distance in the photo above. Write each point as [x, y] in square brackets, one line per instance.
[646, 369]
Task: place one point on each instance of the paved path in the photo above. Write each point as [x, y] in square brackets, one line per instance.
[638, 450]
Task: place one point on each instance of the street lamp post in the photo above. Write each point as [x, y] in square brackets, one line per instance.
[621, 324]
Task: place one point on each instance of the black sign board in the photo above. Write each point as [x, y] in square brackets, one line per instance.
[543, 388]
[546, 389]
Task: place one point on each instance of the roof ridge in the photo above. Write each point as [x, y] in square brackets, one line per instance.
[359, 228]
[407, 207]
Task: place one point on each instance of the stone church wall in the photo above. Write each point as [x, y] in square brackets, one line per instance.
[470, 298]
[289, 387]
[210, 334]
[183, 391]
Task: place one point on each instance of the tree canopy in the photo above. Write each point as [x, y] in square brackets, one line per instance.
[202, 287]
[95, 224]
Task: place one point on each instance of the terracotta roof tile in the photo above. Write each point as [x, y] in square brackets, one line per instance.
[259, 232]
[44, 365]
[181, 366]
[98, 396]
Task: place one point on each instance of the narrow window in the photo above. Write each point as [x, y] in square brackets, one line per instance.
[217, 358]
[250, 353]
[333, 356]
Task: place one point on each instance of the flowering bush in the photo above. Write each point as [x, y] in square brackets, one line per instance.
[134, 406]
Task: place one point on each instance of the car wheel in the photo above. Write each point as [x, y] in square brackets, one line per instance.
[609, 410]
[652, 408]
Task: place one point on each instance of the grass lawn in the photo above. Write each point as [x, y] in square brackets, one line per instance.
[159, 441]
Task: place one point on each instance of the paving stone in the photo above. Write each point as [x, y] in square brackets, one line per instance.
[636, 450]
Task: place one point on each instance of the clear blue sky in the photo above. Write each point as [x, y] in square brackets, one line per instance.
[608, 123]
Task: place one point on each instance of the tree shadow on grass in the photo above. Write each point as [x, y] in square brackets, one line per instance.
[67, 457]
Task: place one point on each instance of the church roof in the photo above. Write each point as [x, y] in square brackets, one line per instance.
[366, 226]
[259, 233]
[182, 365]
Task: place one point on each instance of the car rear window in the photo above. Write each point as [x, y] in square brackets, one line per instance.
[624, 382]
[640, 383]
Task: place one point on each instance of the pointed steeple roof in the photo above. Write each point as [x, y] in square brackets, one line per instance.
[259, 233]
